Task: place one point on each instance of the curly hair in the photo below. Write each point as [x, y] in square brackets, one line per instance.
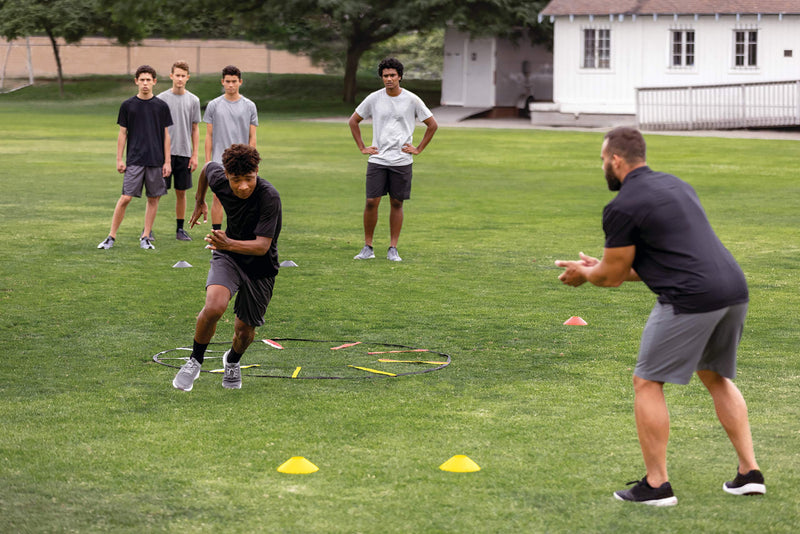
[232, 70]
[390, 63]
[240, 160]
[145, 69]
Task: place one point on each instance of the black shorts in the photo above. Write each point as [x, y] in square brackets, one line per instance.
[181, 172]
[382, 179]
[252, 294]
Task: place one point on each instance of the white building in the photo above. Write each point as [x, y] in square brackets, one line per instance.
[489, 73]
[604, 50]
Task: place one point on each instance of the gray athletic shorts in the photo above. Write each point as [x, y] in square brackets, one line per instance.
[252, 295]
[382, 179]
[675, 345]
[181, 172]
[137, 176]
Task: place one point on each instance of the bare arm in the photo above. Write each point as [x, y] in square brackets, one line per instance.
[209, 141]
[432, 126]
[355, 129]
[615, 268]
[200, 207]
[256, 247]
[193, 161]
[252, 138]
[121, 140]
[166, 170]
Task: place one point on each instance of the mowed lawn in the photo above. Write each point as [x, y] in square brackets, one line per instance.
[93, 438]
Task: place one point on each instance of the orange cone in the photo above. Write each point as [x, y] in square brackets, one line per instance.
[575, 320]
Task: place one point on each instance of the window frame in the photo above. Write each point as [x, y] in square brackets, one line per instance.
[685, 56]
[745, 50]
[596, 52]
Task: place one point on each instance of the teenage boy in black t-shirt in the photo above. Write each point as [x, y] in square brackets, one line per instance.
[657, 232]
[244, 261]
[143, 126]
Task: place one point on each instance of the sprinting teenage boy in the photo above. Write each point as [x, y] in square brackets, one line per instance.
[184, 140]
[244, 259]
[144, 127]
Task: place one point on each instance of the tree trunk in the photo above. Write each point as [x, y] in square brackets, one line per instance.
[54, 44]
[350, 70]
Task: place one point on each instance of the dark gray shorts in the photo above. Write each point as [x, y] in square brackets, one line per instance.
[137, 176]
[382, 179]
[675, 345]
[252, 295]
[181, 172]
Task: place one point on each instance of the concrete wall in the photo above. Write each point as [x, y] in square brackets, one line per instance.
[95, 55]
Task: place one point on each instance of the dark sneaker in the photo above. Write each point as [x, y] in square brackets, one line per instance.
[232, 379]
[186, 376]
[392, 255]
[750, 484]
[366, 253]
[181, 235]
[107, 243]
[643, 493]
[145, 243]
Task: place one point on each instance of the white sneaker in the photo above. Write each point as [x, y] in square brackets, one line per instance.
[186, 376]
[392, 255]
[107, 243]
[232, 377]
[145, 243]
[366, 253]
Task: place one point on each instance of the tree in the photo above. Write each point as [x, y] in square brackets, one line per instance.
[326, 29]
[70, 20]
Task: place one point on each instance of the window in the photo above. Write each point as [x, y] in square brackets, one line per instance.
[596, 49]
[745, 48]
[682, 48]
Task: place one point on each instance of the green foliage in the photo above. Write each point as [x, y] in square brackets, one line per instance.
[93, 438]
[422, 55]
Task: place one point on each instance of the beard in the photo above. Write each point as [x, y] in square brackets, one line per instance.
[614, 183]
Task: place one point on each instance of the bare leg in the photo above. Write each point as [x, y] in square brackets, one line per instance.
[370, 219]
[217, 298]
[652, 426]
[119, 214]
[732, 413]
[180, 204]
[395, 221]
[243, 335]
[150, 214]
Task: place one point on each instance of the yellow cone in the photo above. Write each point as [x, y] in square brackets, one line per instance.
[460, 464]
[297, 465]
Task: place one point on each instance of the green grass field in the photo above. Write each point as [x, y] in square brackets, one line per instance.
[93, 438]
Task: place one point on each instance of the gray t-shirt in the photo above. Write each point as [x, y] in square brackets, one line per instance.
[393, 121]
[185, 110]
[230, 122]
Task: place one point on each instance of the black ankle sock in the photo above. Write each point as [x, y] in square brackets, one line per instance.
[199, 351]
[180, 223]
[233, 356]
[216, 227]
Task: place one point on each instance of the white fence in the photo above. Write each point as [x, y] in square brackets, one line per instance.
[719, 107]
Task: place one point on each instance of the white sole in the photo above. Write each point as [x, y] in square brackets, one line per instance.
[747, 489]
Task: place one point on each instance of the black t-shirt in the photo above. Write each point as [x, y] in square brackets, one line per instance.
[678, 255]
[145, 121]
[258, 215]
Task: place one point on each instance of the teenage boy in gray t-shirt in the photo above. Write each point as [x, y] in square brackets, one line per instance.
[394, 112]
[184, 140]
[230, 119]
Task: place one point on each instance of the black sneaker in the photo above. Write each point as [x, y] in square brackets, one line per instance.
[181, 235]
[750, 484]
[643, 493]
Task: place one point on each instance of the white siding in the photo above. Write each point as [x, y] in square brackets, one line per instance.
[640, 57]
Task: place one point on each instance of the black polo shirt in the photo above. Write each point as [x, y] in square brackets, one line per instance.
[678, 255]
[258, 215]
